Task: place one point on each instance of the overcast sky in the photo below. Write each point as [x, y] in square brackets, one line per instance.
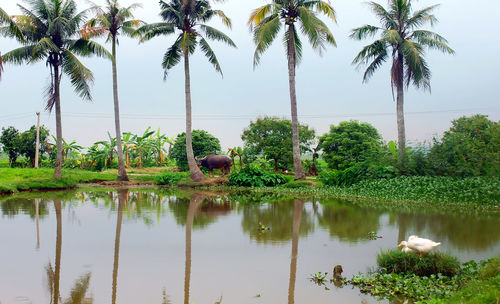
[329, 88]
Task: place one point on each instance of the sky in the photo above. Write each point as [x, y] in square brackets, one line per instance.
[329, 88]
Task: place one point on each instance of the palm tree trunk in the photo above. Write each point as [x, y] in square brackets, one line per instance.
[400, 112]
[57, 172]
[122, 173]
[297, 216]
[297, 162]
[122, 195]
[196, 174]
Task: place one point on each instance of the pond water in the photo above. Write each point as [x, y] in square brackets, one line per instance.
[156, 246]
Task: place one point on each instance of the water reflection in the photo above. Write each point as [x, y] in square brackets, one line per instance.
[348, 222]
[278, 217]
[343, 226]
[297, 217]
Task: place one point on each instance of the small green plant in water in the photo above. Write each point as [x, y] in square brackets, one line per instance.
[372, 235]
[319, 278]
[263, 228]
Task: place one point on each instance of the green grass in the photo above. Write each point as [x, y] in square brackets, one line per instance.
[14, 179]
[396, 261]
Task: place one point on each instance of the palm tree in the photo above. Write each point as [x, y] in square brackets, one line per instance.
[188, 17]
[406, 44]
[51, 30]
[266, 21]
[114, 20]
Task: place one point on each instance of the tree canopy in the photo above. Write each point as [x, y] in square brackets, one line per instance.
[350, 143]
[203, 144]
[271, 137]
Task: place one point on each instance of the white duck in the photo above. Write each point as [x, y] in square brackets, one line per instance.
[404, 247]
[421, 245]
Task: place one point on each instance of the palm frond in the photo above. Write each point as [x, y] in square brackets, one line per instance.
[264, 35]
[323, 7]
[215, 34]
[262, 13]
[422, 17]
[14, 28]
[392, 37]
[317, 31]
[172, 57]
[21, 55]
[432, 41]
[366, 31]
[150, 31]
[209, 53]
[374, 66]
[376, 49]
[383, 15]
[86, 47]
[81, 77]
[417, 69]
[225, 20]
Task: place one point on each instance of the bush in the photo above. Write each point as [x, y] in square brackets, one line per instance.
[396, 261]
[297, 184]
[253, 177]
[170, 178]
[356, 174]
[203, 144]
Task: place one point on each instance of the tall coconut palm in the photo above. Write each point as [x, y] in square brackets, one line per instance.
[188, 17]
[403, 41]
[51, 29]
[113, 20]
[266, 21]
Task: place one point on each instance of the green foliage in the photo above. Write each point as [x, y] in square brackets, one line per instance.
[203, 144]
[297, 184]
[470, 148]
[349, 144]
[16, 144]
[473, 190]
[396, 261]
[10, 143]
[355, 174]
[466, 286]
[254, 177]
[271, 138]
[170, 178]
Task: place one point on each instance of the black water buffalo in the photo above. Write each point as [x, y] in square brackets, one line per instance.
[213, 161]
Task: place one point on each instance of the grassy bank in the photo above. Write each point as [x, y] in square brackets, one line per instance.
[14, 180]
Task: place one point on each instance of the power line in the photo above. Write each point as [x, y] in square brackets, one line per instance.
[18, 116]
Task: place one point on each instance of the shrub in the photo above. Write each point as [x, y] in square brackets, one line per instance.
[254, 177]
[170, 178]
[395, 261]
[297, 184]
[203, 144]
[356, 174]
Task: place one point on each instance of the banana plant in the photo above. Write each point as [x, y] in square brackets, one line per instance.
[158, 142]
[142, 144]
[128, 145]
[109, 148]
[68, 148]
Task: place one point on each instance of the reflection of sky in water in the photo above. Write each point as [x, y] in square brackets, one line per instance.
[230, 257]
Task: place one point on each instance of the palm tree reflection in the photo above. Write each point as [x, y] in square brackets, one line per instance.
[297, 217]
[122, 200]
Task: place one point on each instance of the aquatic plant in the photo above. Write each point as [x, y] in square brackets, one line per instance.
[253, 177]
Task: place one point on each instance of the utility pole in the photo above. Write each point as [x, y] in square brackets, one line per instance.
[37, 139]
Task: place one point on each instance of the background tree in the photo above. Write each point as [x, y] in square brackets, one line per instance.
[27, 143]
[203, 144]
[112, 21]
[265, 23]
[401, 38]
[188, 18]
[272, 138]
[469, 148]
[350, 143]
[51, 30]
[10, 143]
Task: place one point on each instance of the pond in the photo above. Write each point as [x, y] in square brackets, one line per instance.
[159, 246]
